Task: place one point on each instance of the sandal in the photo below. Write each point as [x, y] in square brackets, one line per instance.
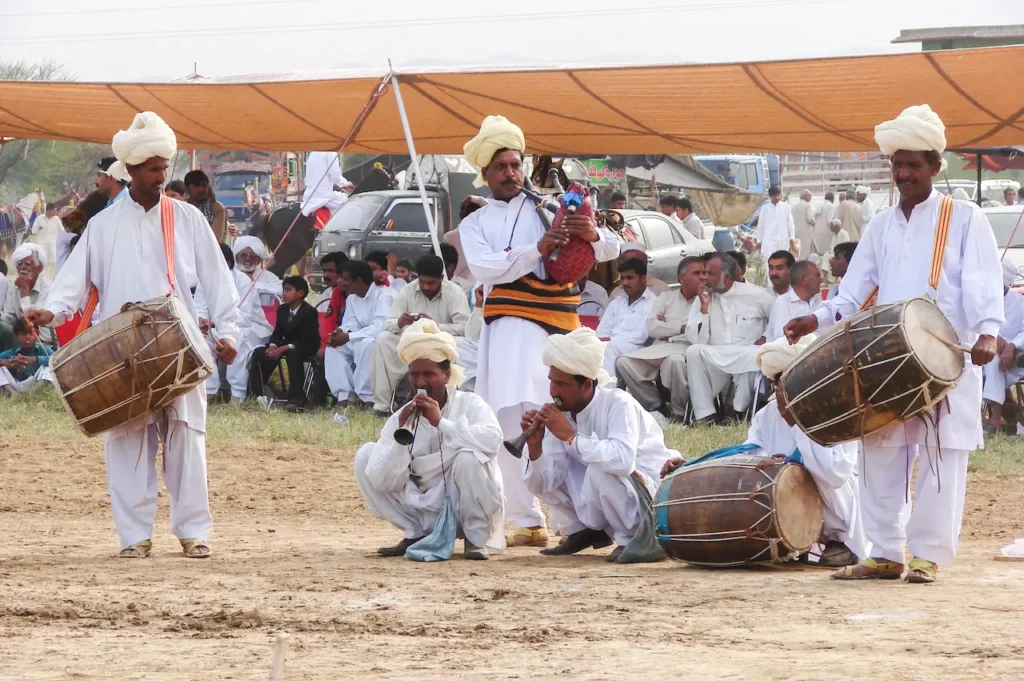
[869, 568]
[137, 550]
[196, 548]
[527, 537]
[922, 571]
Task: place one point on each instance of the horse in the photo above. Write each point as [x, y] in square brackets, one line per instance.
[273, 226]
[543, 177]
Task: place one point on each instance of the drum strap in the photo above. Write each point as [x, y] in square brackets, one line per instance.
[938, 250]
[167, 225]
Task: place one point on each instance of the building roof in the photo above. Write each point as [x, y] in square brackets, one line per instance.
[918, 35]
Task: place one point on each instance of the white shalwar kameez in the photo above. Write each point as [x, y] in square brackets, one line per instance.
[895, 254]
[500, 244]
[822, 219]
[803, 224]
[586, 484]
[122, 254]
[469, 348]
[834, 470]
[347, 368]
[1012, 331]
[323, 173]
[26, 384]
[253, 327]
[775, 228]
[624, 324]
[404, 485]
[722, 345]
[786, 307]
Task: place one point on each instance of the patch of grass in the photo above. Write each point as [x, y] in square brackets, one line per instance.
[1003, 455]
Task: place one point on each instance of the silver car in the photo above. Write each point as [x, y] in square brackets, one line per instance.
[1004, 220]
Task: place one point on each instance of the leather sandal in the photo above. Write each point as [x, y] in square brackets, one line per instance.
[195, 548]
[137, 550]
[869, 568]
[921, 571]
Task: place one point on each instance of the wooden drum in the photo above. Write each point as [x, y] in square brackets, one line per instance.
[131, 364]
[879, 367]
[738, 510]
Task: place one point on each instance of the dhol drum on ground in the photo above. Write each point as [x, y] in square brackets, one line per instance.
[879, 367]
[131, 364]
[737, 510]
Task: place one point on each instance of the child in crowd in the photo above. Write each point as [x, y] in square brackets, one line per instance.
[27, 364]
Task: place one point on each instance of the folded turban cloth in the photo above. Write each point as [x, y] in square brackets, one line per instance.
[1010, 273]
[496, 132]
[580, 353]
[424, 340]
[918, 128]
[147, 137]
[632, 246]
[775, 357]
[862, 189]
[26, 251]
[244, 242]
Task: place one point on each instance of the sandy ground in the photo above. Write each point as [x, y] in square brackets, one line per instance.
[294, 552]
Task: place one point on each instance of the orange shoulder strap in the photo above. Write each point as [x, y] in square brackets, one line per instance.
[938, 249]
[167, 226]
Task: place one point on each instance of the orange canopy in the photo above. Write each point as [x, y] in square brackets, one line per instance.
[804, 105]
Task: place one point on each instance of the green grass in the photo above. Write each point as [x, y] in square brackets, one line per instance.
[40, 415]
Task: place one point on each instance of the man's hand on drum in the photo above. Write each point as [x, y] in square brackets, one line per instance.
[226, 350]
[984, 351]
[671, 465]
[582, 226]
[39, 317]
[799, 327]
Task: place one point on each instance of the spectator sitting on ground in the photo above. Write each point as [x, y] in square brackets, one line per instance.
[779, 263]
[430, 297]
[635, 251]
[1003, 371]
[295, 339]
[624, 324]
[27, 364]
[29, 288]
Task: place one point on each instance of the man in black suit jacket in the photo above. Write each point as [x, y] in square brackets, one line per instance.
[296, 339]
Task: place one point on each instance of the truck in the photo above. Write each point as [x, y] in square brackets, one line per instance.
[274, 177]
[750, 172]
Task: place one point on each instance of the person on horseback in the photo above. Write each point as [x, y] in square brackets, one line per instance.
[326, 188]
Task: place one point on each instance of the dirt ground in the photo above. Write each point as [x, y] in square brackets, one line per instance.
[294, 552]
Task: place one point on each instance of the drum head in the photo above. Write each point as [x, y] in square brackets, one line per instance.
[922, 322]
[798, 511]
[192, 332]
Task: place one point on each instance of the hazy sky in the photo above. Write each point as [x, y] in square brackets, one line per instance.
[160, 40]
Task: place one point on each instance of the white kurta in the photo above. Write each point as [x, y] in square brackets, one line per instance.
[867, 210]
[895, 254]
[624, 324]
[469, 348]
[1012, 331]
[347, 368]
[586, 484]
[834, 470]
[255, 329]
[804, 223]
[786, 307]
[655, 285]
[404, 485]
[694, 225]
[775, 227]
[826, 212]
[15, 305]
[122, 254]
[735, 321]
[323, 173]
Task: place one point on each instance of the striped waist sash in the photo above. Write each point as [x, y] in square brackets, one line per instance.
[550, 305]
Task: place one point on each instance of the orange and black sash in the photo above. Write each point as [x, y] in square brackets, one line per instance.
[552, 306]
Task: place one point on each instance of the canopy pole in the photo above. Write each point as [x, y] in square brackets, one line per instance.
[978, 199]
[416, 168]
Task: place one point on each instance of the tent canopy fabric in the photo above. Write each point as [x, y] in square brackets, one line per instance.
[800, 105]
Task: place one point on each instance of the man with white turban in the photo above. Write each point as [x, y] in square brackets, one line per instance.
[122, 256]
[894, 259]
[634, 250]
[587, 445]
[455, 445]
[1003, 371]
[867, 207]
[29, 288]
[506, 247]
[834, 469]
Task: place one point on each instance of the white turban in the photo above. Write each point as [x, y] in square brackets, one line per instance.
[632, 246]
[580, 353]
[862, 189]
[496, 132]
[918, 128]
[424, 340]
[775, 357]
[26, 251]
[147, 137]
[244, 242]
[1010, 272]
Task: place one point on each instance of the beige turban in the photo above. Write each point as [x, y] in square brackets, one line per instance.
[496, 132]
[26, 251]
[147, 137]
[424, 340]
[580, 353]
[1010, 272]
[775, 357]
[918, 128]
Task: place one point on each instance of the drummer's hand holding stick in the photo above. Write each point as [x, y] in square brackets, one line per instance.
[984, 351]
[799, 327]
[39, 317]
[225, 349]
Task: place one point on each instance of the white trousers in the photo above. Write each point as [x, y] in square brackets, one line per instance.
[347, 369]
[640, 378]
[996, 382]
[131, 478]
[590, 498]
[522, 509]
[614, 349]
[932, 526]
[842, 513]
[7, 378]
[387, 370]
[468, 351]
[474, 494]
[706, 380]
